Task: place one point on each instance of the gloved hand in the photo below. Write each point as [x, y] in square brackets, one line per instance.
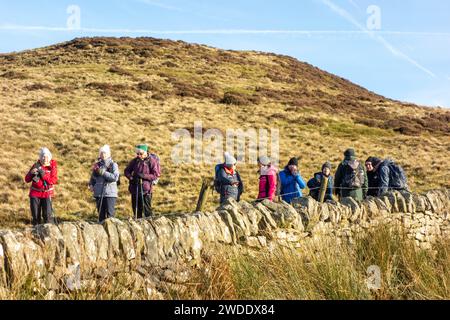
[141, 176]
[101, 171]
[41, 172]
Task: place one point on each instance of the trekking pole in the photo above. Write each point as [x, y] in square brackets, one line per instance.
[101, 201]
[142, 199]
[137, 199]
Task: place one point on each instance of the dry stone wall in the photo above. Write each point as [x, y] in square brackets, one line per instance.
[71, 256]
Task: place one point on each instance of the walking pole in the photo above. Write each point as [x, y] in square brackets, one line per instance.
[101, 201]
[137, 195]
[142, 198]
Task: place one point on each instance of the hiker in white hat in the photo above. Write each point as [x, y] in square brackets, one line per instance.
[104, 183]
[43, 175]
[228, 181]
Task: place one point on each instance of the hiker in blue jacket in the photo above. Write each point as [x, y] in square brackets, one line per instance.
[292, 182]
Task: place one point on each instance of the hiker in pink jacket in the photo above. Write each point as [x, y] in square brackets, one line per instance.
[267, 179]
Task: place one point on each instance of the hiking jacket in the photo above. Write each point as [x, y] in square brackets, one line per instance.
[106, 183]
[44, 188]
[385, 181]
[227, 179]
[356, 193]
[148, 168]
[291, 186]
[314, 186]
[267, 183]
[373, 183]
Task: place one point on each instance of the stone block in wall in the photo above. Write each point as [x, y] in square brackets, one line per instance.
[420, 202]
[437, 200]
[226, 217]
[308, 209]
[70, 234]
[409, 201]
[252, 214]
[113, 239]
[224, 234]
[384, 207]
[90, 250]
[15, 264]
[354, 207]
[401, 202]
[208, 225]
[285, 215]
[152, 252]
[266, 223]
[2, 268]
[102, 243]
[390, 200]
[164, 233]
[241, 223]
[371, 207]
[137, 234]
[52, 240]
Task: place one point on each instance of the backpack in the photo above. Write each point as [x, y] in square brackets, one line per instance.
[397, 176]
[158, 167]
[217, 184]
[354, 175]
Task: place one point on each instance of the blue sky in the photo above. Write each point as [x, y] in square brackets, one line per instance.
[405, 55]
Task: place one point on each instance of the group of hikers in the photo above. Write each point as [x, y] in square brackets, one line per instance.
[352, 179]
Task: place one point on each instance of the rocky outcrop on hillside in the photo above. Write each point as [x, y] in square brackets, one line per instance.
[74, 256]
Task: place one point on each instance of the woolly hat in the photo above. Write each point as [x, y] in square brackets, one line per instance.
[375, 161]
[293, 162]
[350, 154]
[229, 159]
[105, 149]
[45, 152]
[326, 165]
[264, 160]
[142, 147]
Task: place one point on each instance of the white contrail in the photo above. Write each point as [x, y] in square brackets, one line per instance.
[161, 5]
[353, 3]
[225, 31]
[343, 13]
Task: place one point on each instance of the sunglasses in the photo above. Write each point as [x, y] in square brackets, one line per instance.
[140, 153]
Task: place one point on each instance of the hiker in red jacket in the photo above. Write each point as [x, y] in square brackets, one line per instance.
[267, 180]
[43, 176]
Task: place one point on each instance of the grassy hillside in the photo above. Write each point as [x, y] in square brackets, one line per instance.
[76, 96]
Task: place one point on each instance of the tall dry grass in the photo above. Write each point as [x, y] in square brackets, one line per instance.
[324, 271]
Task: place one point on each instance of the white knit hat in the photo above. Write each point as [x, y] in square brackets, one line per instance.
[264, 160]
[229, 159]
[105, 149]
[45, 152]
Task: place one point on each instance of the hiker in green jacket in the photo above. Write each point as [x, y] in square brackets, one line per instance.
[351, 177]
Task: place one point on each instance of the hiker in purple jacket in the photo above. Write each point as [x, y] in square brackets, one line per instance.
[143, 173]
